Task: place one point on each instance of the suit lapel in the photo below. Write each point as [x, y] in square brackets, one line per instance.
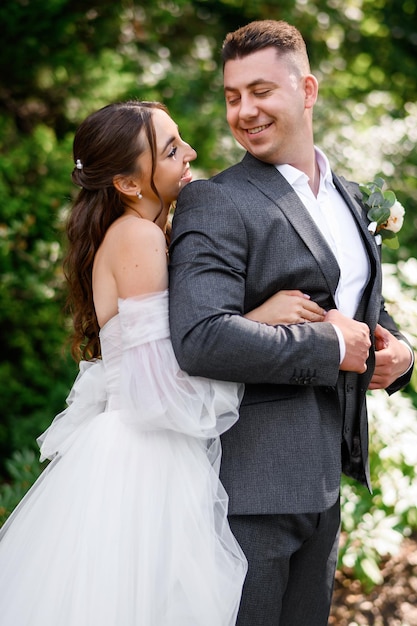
[368, 309]
[272, 184]
[351, 195]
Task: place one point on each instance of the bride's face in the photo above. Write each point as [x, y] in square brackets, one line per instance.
[173, 156]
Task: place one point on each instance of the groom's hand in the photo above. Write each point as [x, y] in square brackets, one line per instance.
[392, 359]
[357, 341]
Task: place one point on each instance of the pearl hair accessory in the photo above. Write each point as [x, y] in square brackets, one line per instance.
[78, 164]
[139, 195]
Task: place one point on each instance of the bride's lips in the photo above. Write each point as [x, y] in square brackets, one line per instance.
[187, 176]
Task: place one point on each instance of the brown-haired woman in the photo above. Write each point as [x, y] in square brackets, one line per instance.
[127, 526]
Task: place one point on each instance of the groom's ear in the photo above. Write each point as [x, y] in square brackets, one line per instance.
[126, 185]
[311, 88]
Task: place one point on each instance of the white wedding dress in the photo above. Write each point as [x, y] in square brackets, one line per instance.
[127, 525]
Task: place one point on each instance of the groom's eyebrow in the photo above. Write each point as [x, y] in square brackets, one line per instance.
[252, 84]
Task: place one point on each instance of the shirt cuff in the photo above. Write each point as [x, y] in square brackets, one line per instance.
[342, 345]
[412, 357]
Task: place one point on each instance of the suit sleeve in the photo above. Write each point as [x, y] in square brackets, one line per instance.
[387, 322]
[208, 271]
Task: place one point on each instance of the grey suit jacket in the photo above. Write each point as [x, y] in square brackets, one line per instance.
[237, 239]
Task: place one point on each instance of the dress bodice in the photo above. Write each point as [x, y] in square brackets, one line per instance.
[140, 320]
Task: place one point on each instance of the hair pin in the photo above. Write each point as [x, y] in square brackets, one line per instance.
[78, 164]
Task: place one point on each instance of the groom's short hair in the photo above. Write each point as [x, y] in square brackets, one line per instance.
[284, 37]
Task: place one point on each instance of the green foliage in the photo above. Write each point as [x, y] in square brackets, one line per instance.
[31, 287]
[24, 468]
[374, 524]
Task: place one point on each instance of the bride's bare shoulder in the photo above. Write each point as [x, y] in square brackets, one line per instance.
[134, 227]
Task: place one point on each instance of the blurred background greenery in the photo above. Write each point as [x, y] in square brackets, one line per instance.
[62, 59]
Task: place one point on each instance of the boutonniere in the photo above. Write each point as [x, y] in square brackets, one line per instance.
[385, 213]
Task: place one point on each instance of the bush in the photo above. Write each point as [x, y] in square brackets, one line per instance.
[24, 468]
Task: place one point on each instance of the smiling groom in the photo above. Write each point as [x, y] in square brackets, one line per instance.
[281, 219]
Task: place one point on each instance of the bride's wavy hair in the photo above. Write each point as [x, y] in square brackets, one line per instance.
[107, 144]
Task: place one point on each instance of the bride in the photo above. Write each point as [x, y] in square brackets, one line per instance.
[127, 525]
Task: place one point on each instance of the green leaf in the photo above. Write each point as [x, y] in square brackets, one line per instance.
[390, 199]
[390, 241]
[387, 234]
[376, 198]
[380, 182]
[368, 189]
[378, 214]
[366, 192]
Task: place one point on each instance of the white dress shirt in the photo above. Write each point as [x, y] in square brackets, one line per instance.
[337, 225]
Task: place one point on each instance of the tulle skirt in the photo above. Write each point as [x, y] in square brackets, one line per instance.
[127, 528]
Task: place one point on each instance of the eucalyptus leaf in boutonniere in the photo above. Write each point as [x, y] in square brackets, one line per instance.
[385, 213]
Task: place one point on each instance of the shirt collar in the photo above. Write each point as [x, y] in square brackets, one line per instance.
[294, 175]
[326, 177]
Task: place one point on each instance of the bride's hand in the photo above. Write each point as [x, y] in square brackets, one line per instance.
[287, 307]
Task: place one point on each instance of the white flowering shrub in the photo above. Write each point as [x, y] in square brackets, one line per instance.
[374, 525]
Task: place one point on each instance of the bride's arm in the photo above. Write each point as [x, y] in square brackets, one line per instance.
[287, 307]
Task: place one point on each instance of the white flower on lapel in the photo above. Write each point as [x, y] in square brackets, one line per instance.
[396, 219]
[385, 213]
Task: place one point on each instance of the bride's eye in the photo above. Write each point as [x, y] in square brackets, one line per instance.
[173, 152]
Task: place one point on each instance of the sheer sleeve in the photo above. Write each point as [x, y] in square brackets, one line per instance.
[87, 399]
[155, 392]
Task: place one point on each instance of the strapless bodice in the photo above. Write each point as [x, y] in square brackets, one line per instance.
[144, 322]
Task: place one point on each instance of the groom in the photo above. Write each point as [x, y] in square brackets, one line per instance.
[281, 219]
